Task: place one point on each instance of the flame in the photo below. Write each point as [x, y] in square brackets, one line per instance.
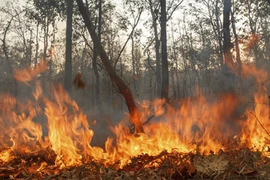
[254, 131]
[27, 74]
[196, 124]
[252, 40]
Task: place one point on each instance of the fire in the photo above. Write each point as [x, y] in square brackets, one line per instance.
[254, 131]
[198, 124]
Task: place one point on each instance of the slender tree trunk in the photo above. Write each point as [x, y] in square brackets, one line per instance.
[253, 28]
[165, 72]
[97, 78]
[68, 63]
[51, 56]
[30, 49]
[92, 90]
[45, 38]
[133, 62]
[37, 44]
[8, 64]
[267, 39]
[237, 49]
[45, 44]
[219, 35]
[227, 45]
[177, 87]
[157, 48]
[121, 87]
[25, 45]
[202, 35]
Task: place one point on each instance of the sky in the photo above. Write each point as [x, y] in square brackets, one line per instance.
[119, 6]
[123, 37]
[2, 2]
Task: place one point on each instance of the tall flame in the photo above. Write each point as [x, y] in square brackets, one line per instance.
[196, 124]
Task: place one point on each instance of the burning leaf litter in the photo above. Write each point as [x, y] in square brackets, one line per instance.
[195, 139]
[239, 164]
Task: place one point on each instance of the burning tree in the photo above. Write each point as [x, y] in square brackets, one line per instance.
[119, 83]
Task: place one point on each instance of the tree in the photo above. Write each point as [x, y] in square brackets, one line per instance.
[219, 36]
[236, 40]
[257, 14]
[68, 63]
[95, 68]
[154, 15]
[165, 72]
[119, 84]
[227, 45]
[45, 14]
[7, 59]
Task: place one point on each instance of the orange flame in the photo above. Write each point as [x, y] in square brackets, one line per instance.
[26, 75]
[196, 124]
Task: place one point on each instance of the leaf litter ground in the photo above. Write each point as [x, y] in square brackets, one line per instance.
[234, 164]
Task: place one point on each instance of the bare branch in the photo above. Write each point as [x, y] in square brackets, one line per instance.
[260, 123]
[130, 35]
[174, 9]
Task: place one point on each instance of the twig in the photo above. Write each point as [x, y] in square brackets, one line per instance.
[150, 65]
[131, 33]
[53, 176]
[156, 112]
[260, 123]
[131, 127]
[151, 159]
[174, 9]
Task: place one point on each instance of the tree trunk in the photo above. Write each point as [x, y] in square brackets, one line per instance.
[253, 28]
[97, 78]
[157, 47]
[177, 86]
[165, 72]
[8, 64]
[45, 44]
[227, 45]
[68, 63]
[45, 38]
[37, 45]
[119, 84]
[30, 49]
[219, 34]
[237, 49]
[133, 64]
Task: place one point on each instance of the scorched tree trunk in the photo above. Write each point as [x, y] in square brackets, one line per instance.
[118, 82]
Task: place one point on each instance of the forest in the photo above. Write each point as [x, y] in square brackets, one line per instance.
[126, 65]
